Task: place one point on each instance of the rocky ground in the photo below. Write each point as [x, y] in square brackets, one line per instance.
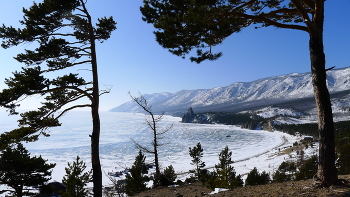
[287, 189]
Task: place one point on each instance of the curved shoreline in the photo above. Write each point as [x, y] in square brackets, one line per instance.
[284, 141]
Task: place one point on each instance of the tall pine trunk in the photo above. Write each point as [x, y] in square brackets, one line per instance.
[327, 171]
[95, 155]
[96, 129]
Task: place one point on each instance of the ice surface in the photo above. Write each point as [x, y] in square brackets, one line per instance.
[251, 148]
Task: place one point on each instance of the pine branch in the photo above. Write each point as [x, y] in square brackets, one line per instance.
[310, 4]
[274, 23]
[72, 65]
[71, 108]
[63, 88]
[305, 15]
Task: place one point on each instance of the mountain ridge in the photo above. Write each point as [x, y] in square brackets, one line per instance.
[242, 95]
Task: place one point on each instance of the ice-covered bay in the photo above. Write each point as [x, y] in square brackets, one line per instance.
[251, 148]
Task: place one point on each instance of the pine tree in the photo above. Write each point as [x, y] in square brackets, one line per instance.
[76, 179]
[255, 178]
[187, 25]
[63, 36]
[224, 175]
[18, 169]
[308, 169]
[285, 172]
[343, 147]
[197, 153]
[169, 175]
[135, 179]
[280, 176]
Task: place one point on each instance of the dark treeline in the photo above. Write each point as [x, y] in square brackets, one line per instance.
[249, 121]
[223, 118]
[292, 129]
[232, 119]
[342, 129]
[342, 140]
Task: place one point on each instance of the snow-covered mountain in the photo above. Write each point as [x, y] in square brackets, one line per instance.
[244, 95]
[131, 106]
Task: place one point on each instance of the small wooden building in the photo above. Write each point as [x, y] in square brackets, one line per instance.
[307, 139]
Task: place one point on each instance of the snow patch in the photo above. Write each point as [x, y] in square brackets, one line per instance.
[269, 112]
[217, 190]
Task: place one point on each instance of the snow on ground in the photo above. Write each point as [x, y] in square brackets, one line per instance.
[270, 111]
[291, 120]
[271, 160]
[255, 158]
[247, 154]
[266, 161]
[217, 190]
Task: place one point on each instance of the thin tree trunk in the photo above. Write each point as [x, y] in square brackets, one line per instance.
[156, 162]
[327, 171]
[198, 172]
[95, 136]
[95, 155]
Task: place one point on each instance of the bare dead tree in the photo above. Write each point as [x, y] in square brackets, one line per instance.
[152, 121]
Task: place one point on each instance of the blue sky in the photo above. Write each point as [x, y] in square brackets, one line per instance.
[131, 60]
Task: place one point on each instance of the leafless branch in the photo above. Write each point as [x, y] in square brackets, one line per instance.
[166, 129]
[107, 90]
[140, 147]
[152, 122]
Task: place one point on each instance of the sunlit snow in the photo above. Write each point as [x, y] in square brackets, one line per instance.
[250, 148]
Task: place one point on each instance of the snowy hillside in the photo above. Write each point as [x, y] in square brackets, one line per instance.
[131, 106]
[244, 96]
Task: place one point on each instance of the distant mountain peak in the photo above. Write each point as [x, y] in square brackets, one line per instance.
[241, 96]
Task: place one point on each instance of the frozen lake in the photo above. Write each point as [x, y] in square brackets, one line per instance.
[117, 151]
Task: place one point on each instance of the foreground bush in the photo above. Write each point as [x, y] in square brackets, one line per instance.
[343, 147]
[169, 173]
[285, 172]
[255, 178]
[308, 169]
[288, 171]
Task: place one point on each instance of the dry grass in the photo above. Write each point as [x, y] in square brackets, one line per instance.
[287, 189]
